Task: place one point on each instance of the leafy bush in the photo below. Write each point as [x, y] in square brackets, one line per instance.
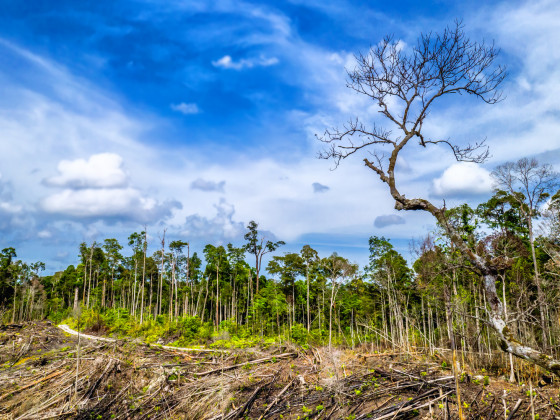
[189, 327]
[58, 316]
[298, 334]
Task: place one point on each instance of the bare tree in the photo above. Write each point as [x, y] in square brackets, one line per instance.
[529, 183]
[406, 84]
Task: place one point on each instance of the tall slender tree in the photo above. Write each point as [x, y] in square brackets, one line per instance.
[259, 246]
[310, 258]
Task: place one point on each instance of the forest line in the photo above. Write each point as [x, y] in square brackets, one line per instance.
[304, 297]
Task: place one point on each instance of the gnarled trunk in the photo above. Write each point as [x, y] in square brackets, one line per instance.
[496, 310]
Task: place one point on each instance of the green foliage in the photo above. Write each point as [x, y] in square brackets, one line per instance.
[299, 334]
[57, 315]
[190, 328]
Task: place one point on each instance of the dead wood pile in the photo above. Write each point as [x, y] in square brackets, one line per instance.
[40, 378]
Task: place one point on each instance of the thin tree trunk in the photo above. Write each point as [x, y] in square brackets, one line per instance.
[144, 246]
[217, 295]
[542, 301]
[75, 298]
[15, 301]
[205, 298]
[308, 313]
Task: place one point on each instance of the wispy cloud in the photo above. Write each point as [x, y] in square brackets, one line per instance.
[226, 62]
[205, 185]
[388, 220]
[186, 108]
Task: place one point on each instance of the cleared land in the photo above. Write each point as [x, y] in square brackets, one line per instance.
[40, 378]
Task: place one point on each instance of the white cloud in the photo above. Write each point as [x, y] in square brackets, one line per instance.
[99, 188]
[103, 170]
[44, 234]
[107, 203]
[226, 62]
[462, 179]
[186, 108]
[7, 207]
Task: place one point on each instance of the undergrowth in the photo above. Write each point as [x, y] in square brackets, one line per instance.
[183, 331]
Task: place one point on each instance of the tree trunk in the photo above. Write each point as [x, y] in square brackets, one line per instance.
[144, 246]
[15, 301]
[540, 295]
[134, 302]
[171, 288]
[330, 315]
[76, 298]
[203, 311]
[496, 313]
[103, 294]
[308, 314]
[85, 284]
[217, 295]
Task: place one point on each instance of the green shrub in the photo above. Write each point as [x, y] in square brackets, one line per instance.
[298, 334]
[189, 328]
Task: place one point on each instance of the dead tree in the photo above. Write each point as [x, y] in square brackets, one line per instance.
[406, 83]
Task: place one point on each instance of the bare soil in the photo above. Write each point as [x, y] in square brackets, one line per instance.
[41, 379]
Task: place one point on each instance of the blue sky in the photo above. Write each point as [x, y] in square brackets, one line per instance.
[197, 117]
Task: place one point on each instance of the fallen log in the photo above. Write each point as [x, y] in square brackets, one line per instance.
[38, 381]
[247, 406]
[517, 405]
[276, 400]
[252, 362]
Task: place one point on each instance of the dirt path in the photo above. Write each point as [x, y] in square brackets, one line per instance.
[69, 330]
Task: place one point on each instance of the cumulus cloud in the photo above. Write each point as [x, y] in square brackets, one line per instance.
[226, 62]
[387, 220]
[107, 203]
[102, 170]
[319, 188]
[185, 108]
[462, 179]
[220, 228]
[205, 185]
[98, 188]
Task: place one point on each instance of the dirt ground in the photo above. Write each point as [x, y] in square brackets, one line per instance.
[41, 378]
